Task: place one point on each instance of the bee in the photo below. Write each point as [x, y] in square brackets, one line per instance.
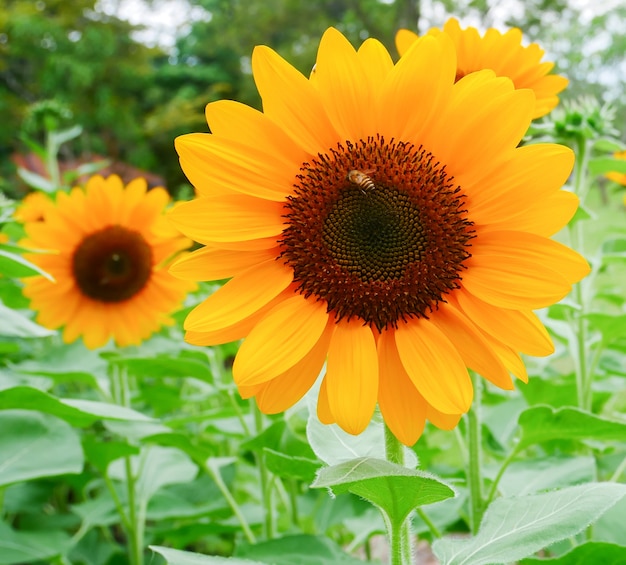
[361, 179]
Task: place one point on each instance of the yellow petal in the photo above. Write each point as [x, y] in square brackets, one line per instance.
[520, 329]
[282, 339]
[225, 218]
[472, 347]
[213, 162]
[402, 406]
[208, 263]
[241, 297]
[420, 82]
[352, 376]
[323, 406]
[292, 102]
[343, 87]
[286, 389]
[434, 365]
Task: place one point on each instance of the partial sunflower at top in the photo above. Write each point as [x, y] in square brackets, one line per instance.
[380, 217]
[107, 248]
[504, 54]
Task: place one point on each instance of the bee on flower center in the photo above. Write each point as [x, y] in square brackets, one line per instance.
[361, 179]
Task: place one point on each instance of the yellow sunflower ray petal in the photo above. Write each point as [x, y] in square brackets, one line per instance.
[286, 389]
[233, 217]
[342, 87]
[403, 408]
[278, 342]
[520, 329]
[352, 376]
[239, 298]
[209, 263]
[434, 365]
[472, 347]
[323, 404]
[212, 161]
[290, 100]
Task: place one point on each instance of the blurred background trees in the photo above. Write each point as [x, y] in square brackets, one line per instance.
[86, 64]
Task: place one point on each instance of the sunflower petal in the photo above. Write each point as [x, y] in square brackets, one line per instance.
[352, 376]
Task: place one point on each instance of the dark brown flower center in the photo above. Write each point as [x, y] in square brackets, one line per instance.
[377, 230]
[112, 265]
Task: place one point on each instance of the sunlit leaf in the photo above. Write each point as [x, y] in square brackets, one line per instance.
[15, 266]
[75, 411]
[586, 554]
[543, 423]
[300, 549]
[514, 528]
[31, 546]
[291, 466]
[15, 324]
[395, 489]
[177, 557]
[36, 445]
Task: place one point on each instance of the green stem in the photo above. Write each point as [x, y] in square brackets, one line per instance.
[618, 472]
[266, 494]
[583, 376]
[399, 533]
[221, 485]
[135, 519]
[434, 530]
[496, 481]
[474, 478]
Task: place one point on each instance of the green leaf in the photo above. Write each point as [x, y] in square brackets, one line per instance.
[36, 181]
[602, 165]
[58, 138]
[160, 366]
[590, 552]
[530, 476]
[156, 467]
[291, 466]
[30, 546]
[300, 549]
[76, 412]
[177, 557]
[393, 488]
[543, 423]
[514, 528]
[100, 453]
[15, 324]
[36, 445]
[15, 266]
[332, 445]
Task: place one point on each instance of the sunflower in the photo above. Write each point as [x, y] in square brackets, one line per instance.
[399, 242]
[504, 54]
[33, 207]
[107, 247]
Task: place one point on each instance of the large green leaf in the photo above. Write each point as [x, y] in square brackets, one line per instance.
[514, 528]
[291, 466]
[586, 554]
[300, 549]
[533, 475]
[544, 423]
[30, 546]
[155, 467]
[177, 557]
[75, 411]
[15, 266]
[393, 488]
[36, 445]
[15, 324]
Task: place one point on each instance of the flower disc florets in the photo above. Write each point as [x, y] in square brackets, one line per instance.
[384, 245]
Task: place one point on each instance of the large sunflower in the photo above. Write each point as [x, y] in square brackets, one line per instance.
[504, 54]
[381, 218]
[106, 247]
